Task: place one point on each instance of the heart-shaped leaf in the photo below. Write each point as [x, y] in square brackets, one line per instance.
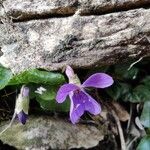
[145, 116]
[144, 144]
[47, 100]
[5, 76]
[37, 76]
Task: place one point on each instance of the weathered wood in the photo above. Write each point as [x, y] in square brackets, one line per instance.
[40, 38]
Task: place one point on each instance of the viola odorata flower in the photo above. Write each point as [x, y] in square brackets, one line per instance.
[22, 105]
[81, 101]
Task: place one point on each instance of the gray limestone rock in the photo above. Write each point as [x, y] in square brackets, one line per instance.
[33, 9]
[50, 34]
[42, 133]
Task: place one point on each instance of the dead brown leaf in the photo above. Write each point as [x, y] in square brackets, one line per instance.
[122, 114]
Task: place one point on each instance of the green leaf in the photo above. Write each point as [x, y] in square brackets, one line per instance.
[145, 116]
[122, 71]
[118, 90]
[5, 76]
[148, 131]
[139, 94]
[37, 76]
[142, 93]
[49, 94]
[47, 100]
[144, 144]
[130, 97]
[33, 87]
[52, 105]
[146, 81]
[124, 91]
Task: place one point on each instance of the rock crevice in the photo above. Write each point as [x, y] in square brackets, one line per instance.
[24, 10]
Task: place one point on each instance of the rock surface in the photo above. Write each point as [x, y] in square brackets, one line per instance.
[42, 133]
[44, 36]
[27, 9]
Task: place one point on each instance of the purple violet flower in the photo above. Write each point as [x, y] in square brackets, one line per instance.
[22, 105]
[22, 117]
[81, 101]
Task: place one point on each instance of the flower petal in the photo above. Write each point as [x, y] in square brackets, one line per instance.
[22, 117]
[92, 105]
[25, 91]
[76, 114]
[98, 80]
[64, 91]
[69, 72]
[77, 105]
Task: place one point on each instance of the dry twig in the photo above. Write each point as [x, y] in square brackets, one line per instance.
[122, 140]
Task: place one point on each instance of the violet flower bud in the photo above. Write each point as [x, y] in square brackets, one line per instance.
[73, 78]
[69, 72]
[25, 91]
[22, 105]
